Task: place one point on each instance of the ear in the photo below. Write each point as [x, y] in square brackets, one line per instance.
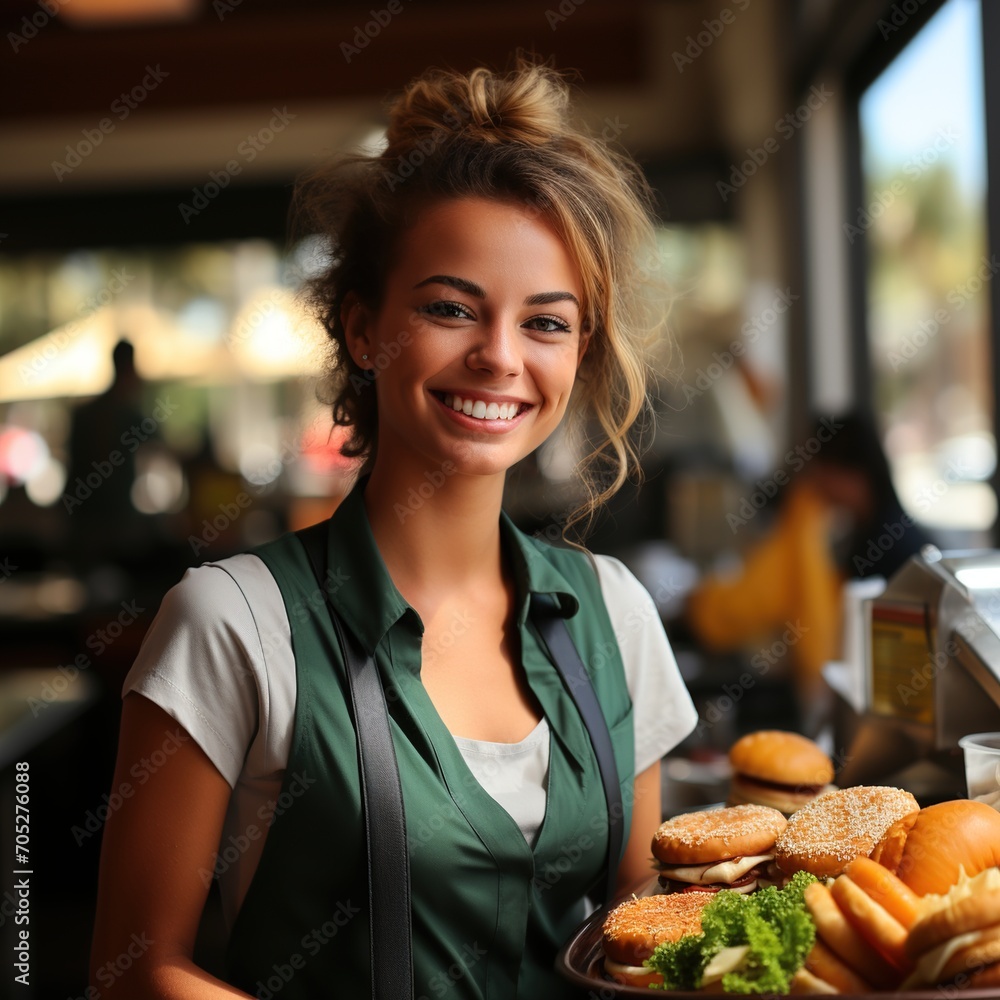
[356, 322]
[583, 345]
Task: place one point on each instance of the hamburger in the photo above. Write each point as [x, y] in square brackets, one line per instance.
[957, 939]
[826, 835]
[717, 848]
[633, 929]
[927, 849]
[778, 769]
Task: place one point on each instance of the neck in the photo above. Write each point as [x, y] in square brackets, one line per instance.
[435, 532]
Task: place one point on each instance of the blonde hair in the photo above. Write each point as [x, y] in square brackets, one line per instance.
[505, 136]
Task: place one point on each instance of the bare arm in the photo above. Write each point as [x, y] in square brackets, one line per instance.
[635, 869]
[156, 861]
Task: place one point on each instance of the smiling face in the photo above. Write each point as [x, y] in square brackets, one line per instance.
[477, 339]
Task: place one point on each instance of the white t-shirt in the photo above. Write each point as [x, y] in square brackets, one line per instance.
[218, 659]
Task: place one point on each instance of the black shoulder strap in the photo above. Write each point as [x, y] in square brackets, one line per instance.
[555, 634]
[382, 801]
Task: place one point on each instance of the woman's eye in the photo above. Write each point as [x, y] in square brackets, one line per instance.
[446, 310]
[548, 324]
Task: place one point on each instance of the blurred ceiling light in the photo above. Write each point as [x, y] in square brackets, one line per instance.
[168, 348]
[72, 360]
[104, 13]
[273, 337]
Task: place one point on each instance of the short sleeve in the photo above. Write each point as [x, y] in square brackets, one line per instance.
[201, 661]
[663, 713]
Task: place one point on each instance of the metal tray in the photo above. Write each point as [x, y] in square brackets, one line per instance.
[581, 961]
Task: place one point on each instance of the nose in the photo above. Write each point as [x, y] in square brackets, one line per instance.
[496, 351]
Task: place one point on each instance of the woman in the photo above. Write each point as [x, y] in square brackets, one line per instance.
[494, 244]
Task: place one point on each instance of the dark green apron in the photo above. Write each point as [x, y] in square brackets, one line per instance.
[489, 911]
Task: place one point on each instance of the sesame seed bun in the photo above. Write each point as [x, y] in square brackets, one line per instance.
[633, 929]
[834, 829]
[714, 834]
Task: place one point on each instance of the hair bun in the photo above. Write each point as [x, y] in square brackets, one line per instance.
[528, 105]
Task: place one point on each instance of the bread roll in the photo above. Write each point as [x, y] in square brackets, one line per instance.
[926, 849]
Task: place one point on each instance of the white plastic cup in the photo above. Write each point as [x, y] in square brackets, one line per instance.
[982, 767]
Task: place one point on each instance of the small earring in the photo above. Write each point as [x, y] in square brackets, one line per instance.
[364, 357]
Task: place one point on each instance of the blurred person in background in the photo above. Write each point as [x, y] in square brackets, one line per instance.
[488, 252]
[106, 434]
[830, 513]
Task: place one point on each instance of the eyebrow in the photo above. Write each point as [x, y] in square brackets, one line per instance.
[471, 288]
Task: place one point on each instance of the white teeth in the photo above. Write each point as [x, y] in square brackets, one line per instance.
[480, 409]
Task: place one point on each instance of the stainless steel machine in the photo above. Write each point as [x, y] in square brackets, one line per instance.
[930, 674]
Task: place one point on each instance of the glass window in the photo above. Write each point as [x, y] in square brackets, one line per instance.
[929, 269]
